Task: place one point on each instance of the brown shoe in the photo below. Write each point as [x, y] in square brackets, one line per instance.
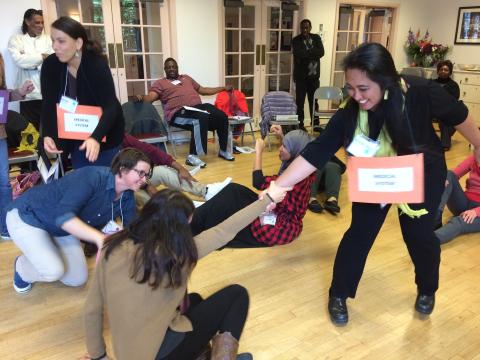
[224, 347]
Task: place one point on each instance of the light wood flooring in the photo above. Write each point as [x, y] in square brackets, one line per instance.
[288, 286]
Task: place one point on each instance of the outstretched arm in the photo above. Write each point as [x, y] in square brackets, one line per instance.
[150, 97]
[298, 170]
[213, 90]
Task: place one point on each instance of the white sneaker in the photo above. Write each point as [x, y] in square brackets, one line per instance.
[194, 160]
[198, 203]
[215, 188]
[194, 170]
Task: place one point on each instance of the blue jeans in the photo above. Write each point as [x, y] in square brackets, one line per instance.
[5, 189]
[457, 202]
[105, 158]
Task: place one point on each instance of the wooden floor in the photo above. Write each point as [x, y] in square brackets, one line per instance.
[288, 286]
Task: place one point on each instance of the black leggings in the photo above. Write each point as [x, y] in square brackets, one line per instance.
[422, 244]
[227, 202]
[224, 311]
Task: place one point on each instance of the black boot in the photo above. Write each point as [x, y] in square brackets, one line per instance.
[425, 303]
[337, 308]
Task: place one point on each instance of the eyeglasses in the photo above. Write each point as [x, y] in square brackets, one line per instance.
[143, 174]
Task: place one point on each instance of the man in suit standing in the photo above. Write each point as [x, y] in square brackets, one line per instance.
[307, 51]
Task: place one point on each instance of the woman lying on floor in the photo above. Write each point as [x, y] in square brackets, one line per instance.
[279, 227]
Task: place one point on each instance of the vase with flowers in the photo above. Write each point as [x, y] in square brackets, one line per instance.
[423, 51]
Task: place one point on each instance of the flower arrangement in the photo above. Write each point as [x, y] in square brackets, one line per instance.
[423, 51]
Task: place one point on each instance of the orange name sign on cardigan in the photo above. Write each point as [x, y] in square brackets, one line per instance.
[80, 124]
[386, 180]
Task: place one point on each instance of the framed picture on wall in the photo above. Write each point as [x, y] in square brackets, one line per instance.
[468, 26]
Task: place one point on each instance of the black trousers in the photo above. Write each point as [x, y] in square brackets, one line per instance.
[305, 87]
[446, 133]
[422, 244]
[227, 202]
[226, 310]
[32, 110]
[215, 120]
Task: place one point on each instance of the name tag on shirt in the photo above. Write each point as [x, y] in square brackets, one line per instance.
[111, 228]
[362, 146]
[268, 219]
[176, 82]
[68, 104]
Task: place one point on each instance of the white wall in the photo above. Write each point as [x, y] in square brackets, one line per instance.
[198, 39]
[443, 26]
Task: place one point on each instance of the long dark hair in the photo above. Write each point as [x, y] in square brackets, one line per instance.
[29, 14]
[377, 63]
[166, 252]
[76, 31]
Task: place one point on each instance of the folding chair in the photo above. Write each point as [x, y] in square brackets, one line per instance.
[330, 93]
[143, 121]
[415, 71]
[241, 120]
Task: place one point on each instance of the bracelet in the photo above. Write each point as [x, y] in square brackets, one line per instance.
[271, 199]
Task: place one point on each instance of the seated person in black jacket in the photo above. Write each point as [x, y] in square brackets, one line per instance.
[444, 71]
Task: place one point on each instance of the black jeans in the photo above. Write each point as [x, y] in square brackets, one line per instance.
[224, 311]
[422, 244]
[305, 87]
[446, 133]
[227, 202]
[215, 120]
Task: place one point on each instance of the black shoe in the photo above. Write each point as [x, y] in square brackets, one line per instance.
[337, 308]
[236, 151]
[315, 206]
[332, 207]
[425, 303]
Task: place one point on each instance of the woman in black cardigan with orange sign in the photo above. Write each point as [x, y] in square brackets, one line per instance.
[78, 74]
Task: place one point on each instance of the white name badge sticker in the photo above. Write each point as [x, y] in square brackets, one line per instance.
[82, 123]
[176, 82]
[268, 219]
[68, 104]
[362, 146]
[111, 228]
[386, 180]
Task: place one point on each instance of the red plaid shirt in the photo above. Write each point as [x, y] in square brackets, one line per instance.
[289, 212]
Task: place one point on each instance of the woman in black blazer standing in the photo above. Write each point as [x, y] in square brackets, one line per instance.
[78, 73]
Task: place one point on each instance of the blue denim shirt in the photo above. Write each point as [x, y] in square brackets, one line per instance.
[87, 193]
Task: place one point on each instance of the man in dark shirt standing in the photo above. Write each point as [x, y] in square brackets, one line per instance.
[307, 51]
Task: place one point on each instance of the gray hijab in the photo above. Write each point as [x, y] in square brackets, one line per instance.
[294, 142]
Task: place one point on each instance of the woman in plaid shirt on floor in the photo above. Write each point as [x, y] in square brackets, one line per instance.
[284, 223]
